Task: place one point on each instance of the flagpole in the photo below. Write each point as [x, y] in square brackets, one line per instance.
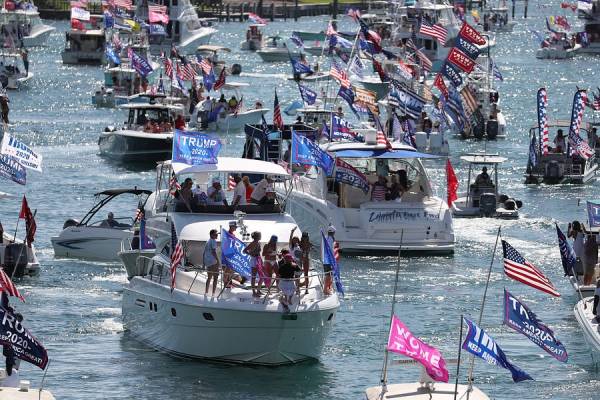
[487, 284]
[24, 244]
[386, 353]
[459, 353]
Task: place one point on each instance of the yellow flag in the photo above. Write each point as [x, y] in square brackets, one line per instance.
[475, 14]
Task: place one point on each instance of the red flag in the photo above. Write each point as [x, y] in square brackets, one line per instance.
[461, 60]
[452, 183]
[77, 25]
[471, 34]
[441, 85]
[379, 69]
[220, 81]
[30, 224]
[277, 118]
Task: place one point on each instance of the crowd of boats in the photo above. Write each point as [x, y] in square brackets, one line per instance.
[359, 187]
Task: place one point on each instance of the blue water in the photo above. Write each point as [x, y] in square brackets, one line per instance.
[74, 306]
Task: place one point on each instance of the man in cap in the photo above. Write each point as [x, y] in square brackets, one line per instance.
[259, 194]
[232, 228]
[216, 195]
[111, 222]
[328, 268]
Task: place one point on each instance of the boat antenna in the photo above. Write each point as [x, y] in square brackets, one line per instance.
[386, 353]
[458, 363]
[487, 284]
[43, 379]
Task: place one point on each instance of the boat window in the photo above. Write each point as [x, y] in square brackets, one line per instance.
[173, 312]
[208, 316]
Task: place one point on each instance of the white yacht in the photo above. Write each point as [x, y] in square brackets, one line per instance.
[590, 326]
[229, 120]
[275, 49]
[233, 327]
[85, 46]
[422, 219]
[558, 167]
[589, 11]
[101, 239]
[14, 253]
[482, 197]
[558, 49]
[26, 20]
[185, 30]
[146, 137]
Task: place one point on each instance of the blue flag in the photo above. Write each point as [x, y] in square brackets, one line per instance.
[467, 47]
[209, 80]
[567, 254]
[297, 40]
[300, 68]
[308, 95]
[157, 29]
[145, 241]
[452, 73]
[593, 209]
[329, 259]
[532, 161]
[325, 131]
[519, 317]
[139, 63]
[233, 256]
[340, 130]
[496, 71]
[348, 95]
[112, 55]
[213, 115]
[479, 343]
[347, 174]
[195, 148]
[11, 168]
[307, 152]
[109, 20]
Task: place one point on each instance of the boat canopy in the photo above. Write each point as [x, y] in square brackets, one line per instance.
[382, 154]
[118, 192]
[213, 48]
[231, 164]
[483, 158]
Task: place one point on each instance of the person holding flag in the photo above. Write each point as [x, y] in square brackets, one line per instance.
[329, 256]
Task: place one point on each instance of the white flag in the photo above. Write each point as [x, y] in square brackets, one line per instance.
[27, 157]
[80, 14]
[357, 67]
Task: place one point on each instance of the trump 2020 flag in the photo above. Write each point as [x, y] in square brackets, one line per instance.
[347, 174]
[11, 168]
[194, 148]
[139, 63]
[567, 254]
[233, 256]
[112, 55]
[23, 343]
[519, 317]
[329, 259]
[21, 152]
[593, 209]
[308, 95]
[307, 152]
[479, 343]
[402, 341]
[300, 68]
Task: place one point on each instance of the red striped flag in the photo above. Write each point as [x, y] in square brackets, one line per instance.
[186, 72]
[425, 62]
[277, 118]
[205, 64]
[230, 183]
[127, 4]
[339, 74]
[176, 255]
[168, 67]
[519, 269]
[173, 184]
[336, 250]
[436, 31]
[220, 81]
[7, 285]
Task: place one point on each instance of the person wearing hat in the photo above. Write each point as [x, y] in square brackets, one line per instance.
[559, 142]
[259, 194]
[328, 268]
[483, 179]
[253, 250]
[111, 222]
[287, 271]
[269, 254]
[216, 195]
[232, 228]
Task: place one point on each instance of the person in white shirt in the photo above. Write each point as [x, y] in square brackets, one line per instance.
[259, 194]
[239, 193]
[216, 195]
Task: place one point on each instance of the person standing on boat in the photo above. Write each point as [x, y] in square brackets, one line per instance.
[253, 250]
[483, 179]
[4, 108]
[305, 246]
[287, 271]
[259, 194]
[328, 268]
[379, 190]
[559, 142]
[211, 261]
[576, 231]
[249, 188]
[216, 196]
[590, 258]
[269, 254]
[239, 193]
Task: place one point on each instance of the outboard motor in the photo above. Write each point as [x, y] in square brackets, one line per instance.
[510, 204]
[492, 129]
[70, 222]
[554, 172]
[236, 69]
[15, 259]
[487, 204]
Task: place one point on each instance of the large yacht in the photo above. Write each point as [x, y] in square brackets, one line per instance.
[184, 30]
[25, 21]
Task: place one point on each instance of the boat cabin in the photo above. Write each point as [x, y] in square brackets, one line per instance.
[151, 117]
[254, 38]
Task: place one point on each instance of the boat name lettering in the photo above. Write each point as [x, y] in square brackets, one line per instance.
[395, 215]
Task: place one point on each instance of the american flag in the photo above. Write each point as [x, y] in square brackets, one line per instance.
[256, 19]
[173, 184]
[435, 31]
[339, 74]
[186, 72]
[205, 65]
[381, 136]
[220, 81]
[176, 255]
[469, 100]
[542, 98]
[168, 67]
[157, 9]
[7, 285]
[567, 254]
[127, 4]
[579, 146]
[277, 118]
[576, 143]
[425, 62]
[336, 250]
[230, 183]
[519, 269]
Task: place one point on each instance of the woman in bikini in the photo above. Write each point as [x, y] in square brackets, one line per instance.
[269, 254]
[305, 246]
[253, 250]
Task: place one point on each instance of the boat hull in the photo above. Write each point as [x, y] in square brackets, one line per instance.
[90, 243]
[198, 327]
[83, 57]
[236, 123]
[39, 36]
[135, 147]
[589, 325]
[417, 391]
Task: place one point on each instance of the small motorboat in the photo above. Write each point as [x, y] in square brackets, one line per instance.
[589, 325]
[424, 390]
[211, 52]
[15, 255]
[557, 167]
[483, 198]
[275, 49]
[228, 119]
[85, 46]
[13, 73]
[558, 46]
[101, 239]
[254, 38]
